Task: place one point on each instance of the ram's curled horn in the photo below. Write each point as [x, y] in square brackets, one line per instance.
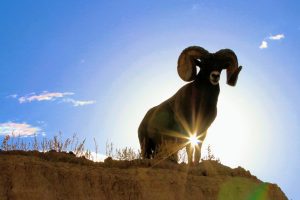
[187, 62]
[229, 59]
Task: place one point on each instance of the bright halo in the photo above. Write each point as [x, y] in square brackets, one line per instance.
[193, 140]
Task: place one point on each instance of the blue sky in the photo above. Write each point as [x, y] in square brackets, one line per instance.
[95, 69]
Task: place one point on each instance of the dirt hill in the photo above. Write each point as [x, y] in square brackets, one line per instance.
[35, 176]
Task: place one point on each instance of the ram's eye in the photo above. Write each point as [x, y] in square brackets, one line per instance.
[198, 62]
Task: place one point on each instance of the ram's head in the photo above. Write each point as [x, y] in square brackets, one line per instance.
[213, 63]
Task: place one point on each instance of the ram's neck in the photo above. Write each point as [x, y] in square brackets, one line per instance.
[205, 93]
[192, 97]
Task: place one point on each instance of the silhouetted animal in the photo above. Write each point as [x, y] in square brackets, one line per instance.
[194, 107]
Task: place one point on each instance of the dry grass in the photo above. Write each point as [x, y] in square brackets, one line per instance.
[168, 151]
[126, 153]
[164, 152]
[57, 144]
[77, 147]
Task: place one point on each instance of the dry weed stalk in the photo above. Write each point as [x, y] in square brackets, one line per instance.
[210, 156]
[4, 144]
[73, 144]
[109, 149]
[96, 149]
[79, 150]
[35, 143]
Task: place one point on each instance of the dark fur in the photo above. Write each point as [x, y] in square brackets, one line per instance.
[196, 100]
[193, 108]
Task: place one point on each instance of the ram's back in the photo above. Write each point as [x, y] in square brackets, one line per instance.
[162, 121]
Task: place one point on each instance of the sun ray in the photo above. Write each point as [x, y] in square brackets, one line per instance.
[193, 140]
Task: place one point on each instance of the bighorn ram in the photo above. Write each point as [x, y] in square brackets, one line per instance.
[194, 107]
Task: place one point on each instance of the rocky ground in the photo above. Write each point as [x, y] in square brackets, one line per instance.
[35, 176]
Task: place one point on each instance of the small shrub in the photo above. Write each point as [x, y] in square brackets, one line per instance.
[126, 153]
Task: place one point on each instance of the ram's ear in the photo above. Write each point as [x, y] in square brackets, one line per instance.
[230, 61]
[188, 60]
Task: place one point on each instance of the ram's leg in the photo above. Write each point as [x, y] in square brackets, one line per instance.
[146, 150]
[197, 153]
[142, 141]
[198, 147]
[189, 151]
[143, 148]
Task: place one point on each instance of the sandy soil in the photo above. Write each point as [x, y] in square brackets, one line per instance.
[62, 176]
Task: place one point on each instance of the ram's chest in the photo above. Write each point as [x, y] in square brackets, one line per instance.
[203, 106]
[203, 110]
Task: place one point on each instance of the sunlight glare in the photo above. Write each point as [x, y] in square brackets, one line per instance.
[193, 140]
